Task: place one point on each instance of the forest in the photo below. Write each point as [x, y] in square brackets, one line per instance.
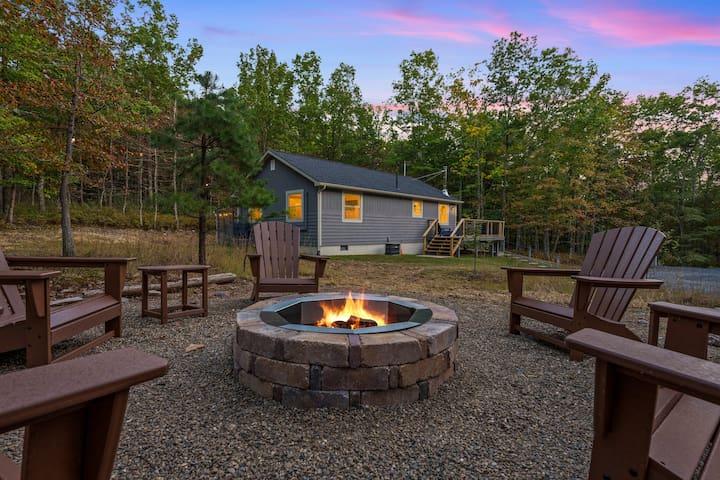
[102, 108]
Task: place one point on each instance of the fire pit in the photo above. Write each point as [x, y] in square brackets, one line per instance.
[345, 350]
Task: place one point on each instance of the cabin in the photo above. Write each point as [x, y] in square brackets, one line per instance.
[344, 209]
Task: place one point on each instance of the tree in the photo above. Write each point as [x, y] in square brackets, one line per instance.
[265, 86]
[217, 153]
[349, 129]
[423, 140]
[309, 113]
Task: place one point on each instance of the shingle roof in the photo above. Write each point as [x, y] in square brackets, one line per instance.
[328, 172]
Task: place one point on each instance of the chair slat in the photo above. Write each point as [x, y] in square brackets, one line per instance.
[279, 245]
[624, 252]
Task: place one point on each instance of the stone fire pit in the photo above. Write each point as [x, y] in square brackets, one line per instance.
[283, 351]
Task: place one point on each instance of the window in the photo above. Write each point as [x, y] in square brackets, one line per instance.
[352, 207]
[272, 164]
[444, 214]
[344, 248]
[417, 208]
[255, 214]
[294, 206]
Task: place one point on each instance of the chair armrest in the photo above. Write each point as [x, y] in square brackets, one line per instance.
[65, 262]
[704, 314]
[254, 263]
[314, 258]
[8, 277]
[693, 376]
[28, 394]
[320, 263]
[618, 282]
[549, 272]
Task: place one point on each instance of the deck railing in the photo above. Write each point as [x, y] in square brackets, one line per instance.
[432, 230]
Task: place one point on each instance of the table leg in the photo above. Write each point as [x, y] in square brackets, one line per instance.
[184, 289]
[205, 292]
[144, 294]
[163, 297]
[653, 327]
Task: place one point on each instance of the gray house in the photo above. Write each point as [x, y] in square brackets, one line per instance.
[345, 209]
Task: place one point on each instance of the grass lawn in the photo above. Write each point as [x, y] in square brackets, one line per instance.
[437, 277]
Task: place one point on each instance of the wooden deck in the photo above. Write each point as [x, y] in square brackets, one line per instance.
[467, 229]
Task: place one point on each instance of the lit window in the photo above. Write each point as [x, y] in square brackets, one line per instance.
[255, 214]
[444, 214]
[417, 208]
[352, 207]
[294, 206]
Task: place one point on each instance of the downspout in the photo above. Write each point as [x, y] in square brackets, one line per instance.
[321, 189]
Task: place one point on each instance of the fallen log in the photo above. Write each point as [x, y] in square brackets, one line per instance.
[136, 290]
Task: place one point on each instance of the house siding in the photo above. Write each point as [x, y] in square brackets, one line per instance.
[384, 219]
[284, 179]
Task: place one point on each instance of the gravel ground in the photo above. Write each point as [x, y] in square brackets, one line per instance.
[515, 409]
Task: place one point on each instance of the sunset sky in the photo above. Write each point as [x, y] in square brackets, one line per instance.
[646, 46]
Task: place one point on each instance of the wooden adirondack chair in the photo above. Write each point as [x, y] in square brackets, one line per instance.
[657, 411]
[614, 267]
[29, 323]
[72, 413]
[276, 265]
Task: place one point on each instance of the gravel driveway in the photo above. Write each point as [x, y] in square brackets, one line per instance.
[515, 409]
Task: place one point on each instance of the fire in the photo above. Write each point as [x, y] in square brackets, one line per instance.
[352, 314]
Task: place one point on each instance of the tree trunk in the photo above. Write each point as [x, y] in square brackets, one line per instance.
[174, 175]
[174, 185]
[127, 180]
[140, 186]
[10, 217]
[41, 193]
[205, 196]
[68, 243]
[155, 191]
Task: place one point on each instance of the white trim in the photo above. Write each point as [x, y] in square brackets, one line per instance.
[412, 208]
[360, 189]
[302, 205]
[448, 215]
[346, 220]
[374, 249]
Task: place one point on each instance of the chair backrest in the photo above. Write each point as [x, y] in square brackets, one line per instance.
[11, 303]
[625, 252]
[279, 245]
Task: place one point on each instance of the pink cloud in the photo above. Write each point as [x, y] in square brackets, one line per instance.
[639, 27]
[404, 23]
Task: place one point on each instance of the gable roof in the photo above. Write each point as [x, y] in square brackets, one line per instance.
[342, 175]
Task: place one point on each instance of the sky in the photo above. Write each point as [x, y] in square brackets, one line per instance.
[647, 47]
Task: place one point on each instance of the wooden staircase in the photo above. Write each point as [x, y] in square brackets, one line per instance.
[443, 245]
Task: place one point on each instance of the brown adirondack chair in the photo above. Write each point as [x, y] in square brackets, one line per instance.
[276, 265]
[657, 411]
[29, 323]
[72, 413]
[614, 267]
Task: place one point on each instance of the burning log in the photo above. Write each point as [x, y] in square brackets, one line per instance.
[353, 323]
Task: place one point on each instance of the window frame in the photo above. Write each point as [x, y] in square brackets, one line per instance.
[302, 205]
[447, 205]
[272, 164]
[412, 208]
[352, 220]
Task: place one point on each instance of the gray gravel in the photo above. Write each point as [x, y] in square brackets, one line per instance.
[516, 409]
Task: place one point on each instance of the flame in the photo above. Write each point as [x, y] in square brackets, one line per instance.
[351, 308]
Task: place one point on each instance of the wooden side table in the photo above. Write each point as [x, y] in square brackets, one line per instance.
[165, 312]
